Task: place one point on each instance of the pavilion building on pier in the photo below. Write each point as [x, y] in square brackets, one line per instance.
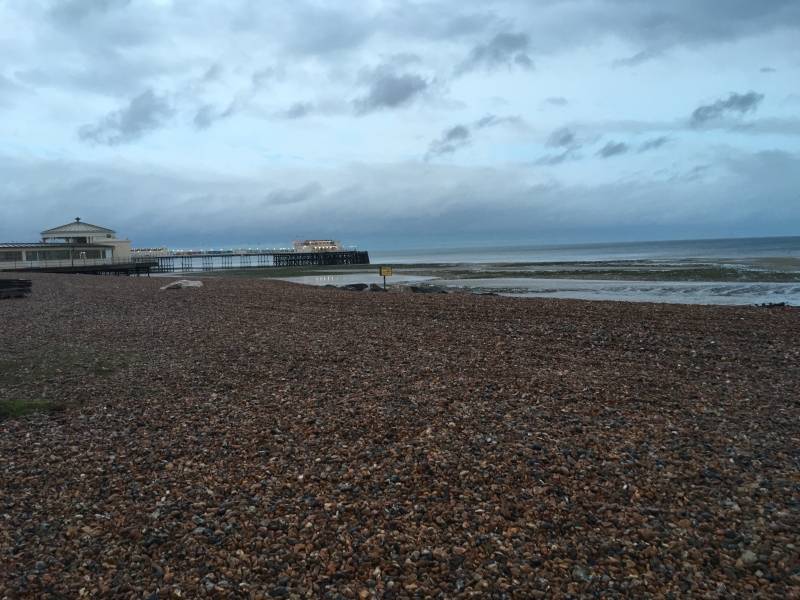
[70, 245]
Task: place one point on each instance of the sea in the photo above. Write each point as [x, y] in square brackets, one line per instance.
[738, 248]
[710, 251]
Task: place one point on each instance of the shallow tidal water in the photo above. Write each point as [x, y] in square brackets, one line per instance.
[673, 292]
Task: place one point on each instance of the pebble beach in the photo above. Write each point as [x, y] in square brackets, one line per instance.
[264, 439]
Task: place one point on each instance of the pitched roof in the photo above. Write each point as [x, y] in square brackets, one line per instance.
[76, 227]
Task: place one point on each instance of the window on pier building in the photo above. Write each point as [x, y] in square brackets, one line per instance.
[47, 254]
[87, 254]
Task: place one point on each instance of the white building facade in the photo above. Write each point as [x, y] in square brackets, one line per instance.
[73, 244]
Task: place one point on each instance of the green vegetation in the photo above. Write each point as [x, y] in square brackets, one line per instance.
[11, 409]
[53, 362]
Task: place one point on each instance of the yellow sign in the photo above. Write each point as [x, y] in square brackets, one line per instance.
[386, 271]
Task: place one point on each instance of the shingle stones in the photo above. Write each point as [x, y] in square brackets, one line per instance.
[259, 439]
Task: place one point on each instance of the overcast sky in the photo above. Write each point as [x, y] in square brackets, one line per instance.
[392, 123]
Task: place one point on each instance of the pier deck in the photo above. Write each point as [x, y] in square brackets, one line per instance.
[228, 260]
[139, 267]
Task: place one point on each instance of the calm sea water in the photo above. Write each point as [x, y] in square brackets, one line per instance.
[711, 249]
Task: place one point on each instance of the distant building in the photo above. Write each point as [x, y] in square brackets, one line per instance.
[73, 244]
[151, 252]
[79, 232]
[317, 246]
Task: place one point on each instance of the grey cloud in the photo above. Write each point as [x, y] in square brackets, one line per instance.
[144, 113]
[767, 70]
[459, 136]
[264, 76]
[205, 116]
[504, 49]
[486, 121]
[779, 126]
[563, 138]
[91, 58]
[650, 25]
[34, 77]
[72, 11]
[284, 196]
[696, 174]
[461, 25]
[439, 21]
[613, 149]
[208, 114]
[735, 103]
[452, 139]
[523, 60]
[401, 60]
[298, 110]
[634, 60]
[752, 193]
[493, 120]
[457, 133]
[556, 159]
[322, 31]
[658, 25]
[213, 73]
[388, 90]
[7, 86]
[557, 101]
[785, 126]
[653, 144]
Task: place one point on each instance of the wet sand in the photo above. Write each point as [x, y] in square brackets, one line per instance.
[691, 281]
[672, 292]
[261, 439]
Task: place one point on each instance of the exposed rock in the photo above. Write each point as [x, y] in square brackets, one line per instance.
[181, 284]
[428, 289]
[355, 287]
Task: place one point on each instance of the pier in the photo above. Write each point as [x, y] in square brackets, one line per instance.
[186, 263]
[100, 266]
[144, 267]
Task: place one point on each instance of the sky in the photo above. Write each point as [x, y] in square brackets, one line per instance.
[389, 124]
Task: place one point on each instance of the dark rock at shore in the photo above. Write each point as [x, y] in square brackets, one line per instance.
[428, 289]
[354, 287]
